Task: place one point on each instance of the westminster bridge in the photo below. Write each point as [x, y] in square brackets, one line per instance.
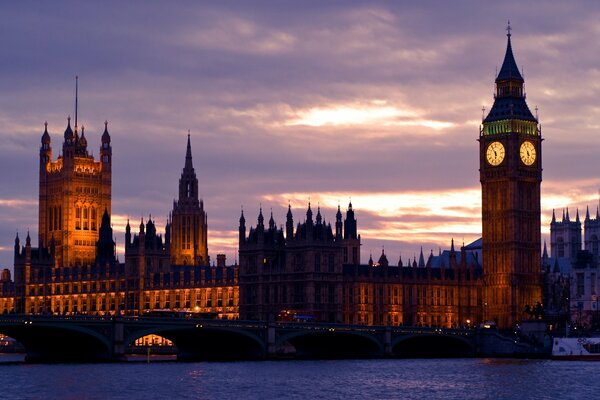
[83, 338]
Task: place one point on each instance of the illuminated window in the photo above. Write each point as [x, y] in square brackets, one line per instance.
[77, 217]
[93, 218]
[86, 218]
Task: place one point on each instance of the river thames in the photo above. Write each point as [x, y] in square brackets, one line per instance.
[339, 379]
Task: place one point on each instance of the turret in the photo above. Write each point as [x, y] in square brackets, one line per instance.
[271, 222]
[242, 229]
[45, 149]
[309, 215]
[261, 220]
[587, 213]
[17, 245]
[350, 231]
[383, 261]
[289, 224]
[105, 246]
[338, 224]
[319, 217]
[421, 258]
[106, 150]
[127, 234]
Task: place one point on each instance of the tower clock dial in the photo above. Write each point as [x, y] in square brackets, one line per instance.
[527, 153]
[495, 153]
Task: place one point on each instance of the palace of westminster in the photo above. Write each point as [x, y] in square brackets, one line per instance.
[311, 267]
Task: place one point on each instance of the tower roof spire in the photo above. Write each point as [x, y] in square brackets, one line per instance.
[509, 69]
[188, 153]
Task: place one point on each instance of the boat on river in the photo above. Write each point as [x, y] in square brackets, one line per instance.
[582, 348]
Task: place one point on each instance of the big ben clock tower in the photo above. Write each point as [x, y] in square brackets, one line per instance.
[510, 160]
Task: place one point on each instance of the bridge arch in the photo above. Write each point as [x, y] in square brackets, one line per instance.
[432, 346]
[330, 343]
[199, 342]
[44, 342]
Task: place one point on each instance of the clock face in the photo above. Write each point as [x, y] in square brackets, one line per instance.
[495, 153]
[527, 153]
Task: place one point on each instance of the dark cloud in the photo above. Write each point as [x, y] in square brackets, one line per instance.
[236, 74]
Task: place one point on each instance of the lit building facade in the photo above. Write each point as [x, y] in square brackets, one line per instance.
[63, 276]
[74, 191]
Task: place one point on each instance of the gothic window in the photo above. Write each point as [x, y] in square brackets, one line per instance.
[86, 218]
[331, 263]
[318, 262]
[230, 297]
[208, 298]
[595, 245]
[93, 218]
[50, 218]
[77, 217]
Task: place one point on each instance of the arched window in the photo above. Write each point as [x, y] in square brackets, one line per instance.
[77, 217]
[86, 219]
[93, 218]
[595, 245]
[50, 218]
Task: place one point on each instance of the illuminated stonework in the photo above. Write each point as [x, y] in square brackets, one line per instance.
[511, 202]
[74, 191]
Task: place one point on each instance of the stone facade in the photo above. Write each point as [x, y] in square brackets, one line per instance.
[511, 174]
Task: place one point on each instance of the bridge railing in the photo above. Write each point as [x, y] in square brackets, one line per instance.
[203, 322]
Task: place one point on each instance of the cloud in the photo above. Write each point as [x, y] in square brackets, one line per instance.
[380, 102]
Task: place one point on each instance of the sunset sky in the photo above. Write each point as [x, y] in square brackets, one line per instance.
[286, 101]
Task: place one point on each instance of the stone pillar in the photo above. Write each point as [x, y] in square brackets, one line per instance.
[271, 340]
[118, 345]
[387, 341]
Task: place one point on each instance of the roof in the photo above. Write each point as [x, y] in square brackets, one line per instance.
[509, 68]
[505, 108]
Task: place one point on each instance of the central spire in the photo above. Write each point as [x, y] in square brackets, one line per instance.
[188, 153]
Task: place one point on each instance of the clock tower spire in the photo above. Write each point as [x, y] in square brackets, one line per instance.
[511, 174]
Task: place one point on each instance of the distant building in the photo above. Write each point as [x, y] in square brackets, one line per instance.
[575, 268]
